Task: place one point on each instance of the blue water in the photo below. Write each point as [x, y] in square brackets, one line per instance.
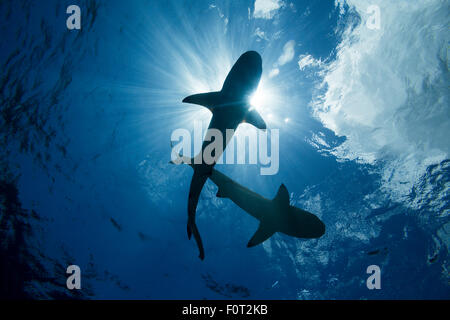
[85, 126]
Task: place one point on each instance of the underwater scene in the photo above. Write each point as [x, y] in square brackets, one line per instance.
[251, 149]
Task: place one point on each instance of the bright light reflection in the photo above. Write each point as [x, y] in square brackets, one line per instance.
[267, 101]
[193, 67]
[263, 96]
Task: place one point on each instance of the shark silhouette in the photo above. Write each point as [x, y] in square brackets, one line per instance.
[275, 215]
[230, 107]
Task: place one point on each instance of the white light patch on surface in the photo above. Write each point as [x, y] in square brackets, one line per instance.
[288, 53]
[266, 99]
[259, 99]
[266, 9]
[306, 60]
[274, 72]
[387, 90]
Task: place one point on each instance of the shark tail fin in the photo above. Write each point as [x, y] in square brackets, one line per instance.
[263, 233]
[209, 99]
[189, 231]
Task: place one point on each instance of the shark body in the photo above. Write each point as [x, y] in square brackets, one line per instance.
[275, 215]
[229, 108]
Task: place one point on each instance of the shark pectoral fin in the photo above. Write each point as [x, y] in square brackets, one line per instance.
[222, 193]
[262, 234]
[254, 118]
[282, 196]
[208, 100]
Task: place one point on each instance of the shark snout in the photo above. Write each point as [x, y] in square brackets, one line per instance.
[188, 99]
[320, 229]
[315, 228]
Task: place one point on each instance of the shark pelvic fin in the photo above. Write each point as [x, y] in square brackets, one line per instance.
[263, 233]
[254, 118]
[282, 196]
[221, 194]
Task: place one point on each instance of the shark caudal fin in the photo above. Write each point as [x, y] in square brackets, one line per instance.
[197, 183]
[208, 100]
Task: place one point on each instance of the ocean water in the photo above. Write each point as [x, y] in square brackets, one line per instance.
[358, 93]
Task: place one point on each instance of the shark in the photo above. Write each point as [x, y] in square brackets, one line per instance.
[229, 107]
[274, 215]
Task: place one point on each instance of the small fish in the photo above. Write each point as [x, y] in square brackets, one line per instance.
[115, 224]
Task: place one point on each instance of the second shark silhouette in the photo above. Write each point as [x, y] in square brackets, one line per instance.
[275, 215]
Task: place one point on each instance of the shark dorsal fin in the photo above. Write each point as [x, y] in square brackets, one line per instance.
[263, 233]
[282, 196]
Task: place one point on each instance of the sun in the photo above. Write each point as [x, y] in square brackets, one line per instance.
[265, 99]
[257, 98]
[261, 98]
